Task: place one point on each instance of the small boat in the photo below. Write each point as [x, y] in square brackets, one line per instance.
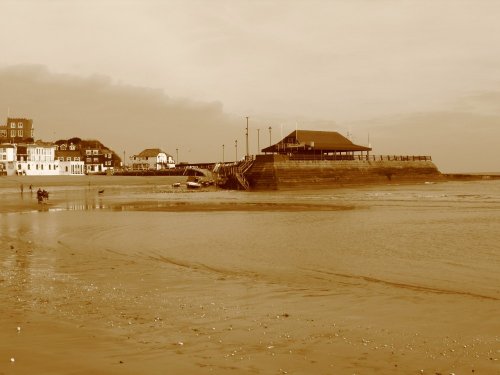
[101, 191]
[176, 184]
[193, 185]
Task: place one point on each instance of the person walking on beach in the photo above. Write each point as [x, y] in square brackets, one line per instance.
[39, 196]
[22, 188]
[45, 195]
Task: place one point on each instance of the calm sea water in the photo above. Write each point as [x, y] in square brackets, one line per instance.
[441, 237]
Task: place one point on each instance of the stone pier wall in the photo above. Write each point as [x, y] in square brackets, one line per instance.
[271, 172]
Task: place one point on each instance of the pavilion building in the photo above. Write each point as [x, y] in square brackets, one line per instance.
[312, 144]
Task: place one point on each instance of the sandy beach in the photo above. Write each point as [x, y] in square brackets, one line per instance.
[147, 279]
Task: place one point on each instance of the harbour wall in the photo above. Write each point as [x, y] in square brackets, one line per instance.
[274, 172]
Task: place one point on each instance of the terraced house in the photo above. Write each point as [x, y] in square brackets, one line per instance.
[90, 155]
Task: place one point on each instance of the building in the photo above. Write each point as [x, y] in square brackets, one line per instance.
[152, 159]
[316, 144]
[37, 159]
[8, 154]
[96, 157]
[70, 160]
[17, 130]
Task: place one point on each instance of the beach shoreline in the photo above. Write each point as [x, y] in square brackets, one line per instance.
[92, 287]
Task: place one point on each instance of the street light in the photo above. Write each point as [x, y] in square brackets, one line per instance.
[223, 154]
[247, 137]
[258, 141]
[177, 156]
[236, 148]
[270, 136]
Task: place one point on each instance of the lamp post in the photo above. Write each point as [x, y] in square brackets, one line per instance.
[177, 156]
[258, 141]
[236, 148]
[223, 154]
[123, 160]
[270, 136]
[246, 134]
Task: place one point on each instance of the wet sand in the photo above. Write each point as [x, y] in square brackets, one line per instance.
[104, 305]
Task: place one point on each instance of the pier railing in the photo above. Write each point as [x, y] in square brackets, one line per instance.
[236, 170]
[361, 157]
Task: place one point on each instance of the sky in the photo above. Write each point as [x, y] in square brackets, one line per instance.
[410, 77]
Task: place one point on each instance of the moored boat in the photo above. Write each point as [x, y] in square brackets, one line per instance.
[193, 185]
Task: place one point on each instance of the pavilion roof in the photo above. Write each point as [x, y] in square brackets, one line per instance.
[317, 140]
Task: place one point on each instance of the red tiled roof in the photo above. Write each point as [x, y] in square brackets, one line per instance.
[319, 140]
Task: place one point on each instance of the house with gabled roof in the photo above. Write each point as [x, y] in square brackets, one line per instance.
[152, 159]
[97, 158]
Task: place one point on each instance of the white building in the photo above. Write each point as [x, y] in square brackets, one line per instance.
[71, 168]
[37, 159]
[152, 159]
[70, 163]
[8, 155]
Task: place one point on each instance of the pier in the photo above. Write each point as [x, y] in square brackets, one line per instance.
[274, 171]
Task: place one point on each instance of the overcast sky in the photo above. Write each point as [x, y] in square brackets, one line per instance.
[365, 65]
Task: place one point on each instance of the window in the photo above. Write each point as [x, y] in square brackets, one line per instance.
[20, 133]
[96, 160]
[66, 169]
[95, 152]
[89, 160]
[61, 158]
[88, 152]
[29, 166]
[77, 158]
[3, 133]
[12, 133]
[72, 147]
[12, 124]
[63, 147]
[68, 158]
[20, 125]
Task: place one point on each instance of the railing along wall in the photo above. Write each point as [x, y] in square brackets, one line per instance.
[361, 157]
[236, 170]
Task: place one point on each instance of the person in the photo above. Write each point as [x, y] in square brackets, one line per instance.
[31, 188]
[39, 195]
[45, 195]
[22, 188]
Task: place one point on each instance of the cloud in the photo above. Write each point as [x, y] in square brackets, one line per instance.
[124, 117]
[458, 141]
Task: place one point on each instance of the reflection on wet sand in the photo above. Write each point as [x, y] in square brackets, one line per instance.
[335, 282]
